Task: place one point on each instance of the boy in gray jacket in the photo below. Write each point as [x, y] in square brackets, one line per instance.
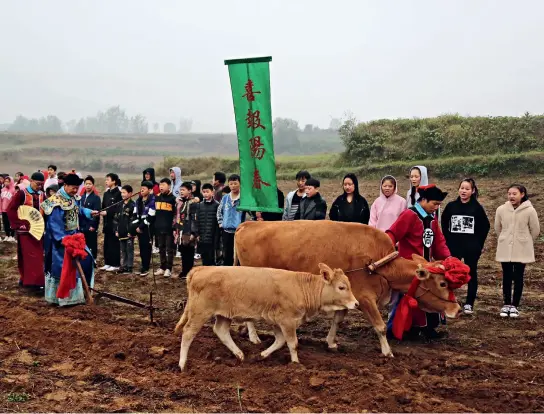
[292, 202]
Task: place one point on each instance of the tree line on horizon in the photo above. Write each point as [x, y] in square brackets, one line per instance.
[114, 120]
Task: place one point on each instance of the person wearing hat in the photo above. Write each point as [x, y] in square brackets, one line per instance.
[417, 231]
[63, 211]
[29, 250]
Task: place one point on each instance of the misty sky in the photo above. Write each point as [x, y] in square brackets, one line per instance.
[378, 59]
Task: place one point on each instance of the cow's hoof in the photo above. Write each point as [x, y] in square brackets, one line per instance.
[255, 340]
[263, 355]
[332, 348]
[389, 355]
[240, 356]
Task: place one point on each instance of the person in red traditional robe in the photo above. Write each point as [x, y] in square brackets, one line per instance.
[29, 250]
[417, 231]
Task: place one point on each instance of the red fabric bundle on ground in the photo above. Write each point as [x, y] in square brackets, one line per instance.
[74, 248]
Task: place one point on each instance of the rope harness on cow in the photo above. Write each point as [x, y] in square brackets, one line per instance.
[425, 290]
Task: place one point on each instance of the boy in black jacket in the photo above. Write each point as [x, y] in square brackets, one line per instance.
[112, 250]
[313, 207]
[208, 229]
[144, 224]
[165, 206]
[186, 230]
[123, 222]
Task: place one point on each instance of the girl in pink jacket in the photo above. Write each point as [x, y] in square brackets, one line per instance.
[388, 206]
[5, 198]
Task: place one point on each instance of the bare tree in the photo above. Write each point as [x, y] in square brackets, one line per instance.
[185, 125]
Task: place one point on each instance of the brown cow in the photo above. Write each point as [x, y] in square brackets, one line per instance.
[282, 298]
[299, 245]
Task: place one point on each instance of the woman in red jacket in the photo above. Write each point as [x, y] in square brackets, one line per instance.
[417, 231]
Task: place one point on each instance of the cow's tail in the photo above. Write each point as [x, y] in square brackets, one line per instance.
[182, 322]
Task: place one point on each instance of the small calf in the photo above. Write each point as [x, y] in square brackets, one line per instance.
[281, 298]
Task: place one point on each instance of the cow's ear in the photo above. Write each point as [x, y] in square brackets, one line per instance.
[422, 273]
[419, 259]
[326, 272]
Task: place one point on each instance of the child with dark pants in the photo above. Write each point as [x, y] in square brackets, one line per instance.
[165, 217]
[512, 272]
[465, 226]
[123, 226]
[517, 227]
[208, 229]
[229, 218]
[186, 227]
[144, 223]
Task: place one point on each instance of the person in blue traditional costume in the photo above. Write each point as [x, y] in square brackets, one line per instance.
[63, 211]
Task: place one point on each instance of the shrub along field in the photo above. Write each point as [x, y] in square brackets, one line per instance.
[451, 146]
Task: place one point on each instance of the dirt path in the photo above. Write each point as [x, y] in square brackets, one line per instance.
[109, 358]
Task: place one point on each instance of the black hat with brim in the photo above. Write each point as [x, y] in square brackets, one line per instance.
[431, 193]
[72, 179]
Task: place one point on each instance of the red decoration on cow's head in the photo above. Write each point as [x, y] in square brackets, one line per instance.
[454, 270]
[456, 274]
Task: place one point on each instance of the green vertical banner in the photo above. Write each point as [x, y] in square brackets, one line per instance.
[250, 84]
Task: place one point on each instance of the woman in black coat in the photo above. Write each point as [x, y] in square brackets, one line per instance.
[465, 226]
[351, 206]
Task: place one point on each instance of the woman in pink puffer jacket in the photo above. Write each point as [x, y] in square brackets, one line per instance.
[5, 198]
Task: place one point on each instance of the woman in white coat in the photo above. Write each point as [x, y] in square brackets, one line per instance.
[517, 227]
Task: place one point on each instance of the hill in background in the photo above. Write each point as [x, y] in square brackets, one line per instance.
[128, 153]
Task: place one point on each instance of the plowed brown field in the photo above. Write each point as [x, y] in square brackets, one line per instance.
[110, 358]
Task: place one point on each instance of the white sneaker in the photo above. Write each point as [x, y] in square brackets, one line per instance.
[505, 311]
[178, 254]
[197, 256]
[167, 273]
[467, 310]
[112, 269]
[105, 267]
[159, 272]
[514, 313]
[155, 250]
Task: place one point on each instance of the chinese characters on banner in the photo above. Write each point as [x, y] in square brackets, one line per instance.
[250, 84]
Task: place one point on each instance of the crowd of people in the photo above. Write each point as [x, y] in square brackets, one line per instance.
[176, 218]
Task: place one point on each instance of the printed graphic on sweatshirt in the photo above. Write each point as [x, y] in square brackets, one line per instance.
[164, 206]
[462, 224]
